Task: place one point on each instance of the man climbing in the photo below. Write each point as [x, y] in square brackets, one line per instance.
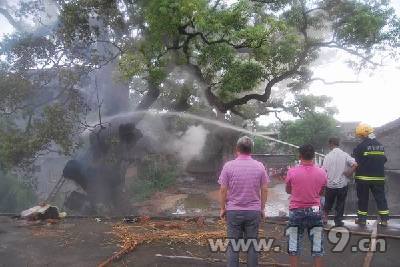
[370, 174]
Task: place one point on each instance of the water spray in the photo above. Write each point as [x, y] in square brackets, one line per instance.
[205, 120]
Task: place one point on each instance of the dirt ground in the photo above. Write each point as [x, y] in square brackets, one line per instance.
[70, 243]
[89, 242]
[85, 242]
[196, 197]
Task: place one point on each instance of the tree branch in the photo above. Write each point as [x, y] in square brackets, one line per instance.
[266, 1]
[303, 28]
[99, 103]
[223, 107]
[111, 43]
[293, 71]
[222, 41]
[279, 118]
[240, 114]
[314, 9]
[330, 83]
[350, 51]
[182, 30]
[17, 25]
[151, 96]
[216, 4]
[267, 92]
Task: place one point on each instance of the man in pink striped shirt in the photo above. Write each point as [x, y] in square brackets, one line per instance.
[243, 194]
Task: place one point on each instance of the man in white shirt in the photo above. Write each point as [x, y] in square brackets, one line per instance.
[339, 165]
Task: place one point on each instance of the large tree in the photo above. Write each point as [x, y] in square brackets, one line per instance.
[240, 52]
[171, 54]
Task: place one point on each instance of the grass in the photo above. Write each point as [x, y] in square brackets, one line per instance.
[153, 175]
[15, 196]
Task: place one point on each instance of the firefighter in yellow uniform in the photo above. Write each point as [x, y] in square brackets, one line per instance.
[370, 174]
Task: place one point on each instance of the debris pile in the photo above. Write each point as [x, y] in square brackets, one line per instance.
[187, 232]
[134, 232]
[42, 212]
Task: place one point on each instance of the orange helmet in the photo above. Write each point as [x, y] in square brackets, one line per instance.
[363, 130]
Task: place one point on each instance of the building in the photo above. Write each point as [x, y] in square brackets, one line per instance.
[389, 136]
[347, 135]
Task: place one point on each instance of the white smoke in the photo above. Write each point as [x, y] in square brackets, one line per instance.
[159, 138]
[191, 143]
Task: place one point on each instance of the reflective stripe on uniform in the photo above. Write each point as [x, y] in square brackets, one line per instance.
[370, 178]
[365, 213]
[367, 153]
[383, 212]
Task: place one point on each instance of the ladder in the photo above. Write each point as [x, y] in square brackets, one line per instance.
[55, 190]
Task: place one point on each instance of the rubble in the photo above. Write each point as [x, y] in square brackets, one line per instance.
[42, 212]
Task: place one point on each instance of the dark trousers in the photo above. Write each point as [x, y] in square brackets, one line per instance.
[242, 224]
[337, 195]
[378, 191]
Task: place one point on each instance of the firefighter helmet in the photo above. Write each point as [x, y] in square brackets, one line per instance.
[363, 130]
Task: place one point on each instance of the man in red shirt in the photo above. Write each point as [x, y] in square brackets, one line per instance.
[305, 183]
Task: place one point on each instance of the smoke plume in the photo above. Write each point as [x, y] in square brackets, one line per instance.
[191, 143]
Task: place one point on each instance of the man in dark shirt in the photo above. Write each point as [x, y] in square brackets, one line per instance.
[370, 174]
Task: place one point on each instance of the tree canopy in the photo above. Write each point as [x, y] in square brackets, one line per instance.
[313, 128]
[184, 55]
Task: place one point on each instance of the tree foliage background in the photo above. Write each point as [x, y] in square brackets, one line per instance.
[314, 128]
[69, 61]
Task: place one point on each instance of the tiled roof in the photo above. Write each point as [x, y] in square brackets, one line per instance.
[388, 126]
[348, 127]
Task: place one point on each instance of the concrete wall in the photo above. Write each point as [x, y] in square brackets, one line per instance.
[275, 161]
[392, 187]
[391, 141]
[348, 146]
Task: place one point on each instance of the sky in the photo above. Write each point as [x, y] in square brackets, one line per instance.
[374, 100]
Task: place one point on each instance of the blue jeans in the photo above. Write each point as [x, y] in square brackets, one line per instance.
[242, 224]
[299, 220]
